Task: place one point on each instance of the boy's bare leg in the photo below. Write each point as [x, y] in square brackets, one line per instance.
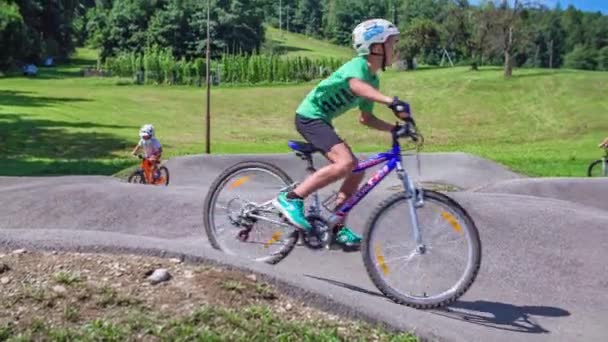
[343, 162]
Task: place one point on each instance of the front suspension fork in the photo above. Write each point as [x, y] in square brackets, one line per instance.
[415, 199]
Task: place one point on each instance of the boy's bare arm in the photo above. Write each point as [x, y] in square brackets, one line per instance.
[368, 92]
[370, 120]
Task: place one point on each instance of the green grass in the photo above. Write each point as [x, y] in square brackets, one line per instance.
[67, 278]
[540, 122]
[295, 44]
[254, 323]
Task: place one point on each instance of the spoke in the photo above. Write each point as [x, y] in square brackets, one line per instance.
[221, 207]
[446, 243]
[423, 277]
[391, 247]
[408, 257]
[220, 228]
[269, 220]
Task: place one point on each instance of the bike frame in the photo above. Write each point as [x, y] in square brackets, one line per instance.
[393, 161]
[148, 169]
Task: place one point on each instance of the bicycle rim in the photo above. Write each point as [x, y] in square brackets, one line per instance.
[249, 189]
[439, 275]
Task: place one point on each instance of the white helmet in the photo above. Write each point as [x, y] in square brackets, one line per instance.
[146, 130]
[370, 32]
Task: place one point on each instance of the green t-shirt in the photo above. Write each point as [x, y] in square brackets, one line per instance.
[333, 97]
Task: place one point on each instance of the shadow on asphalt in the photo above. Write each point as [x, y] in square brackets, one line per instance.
[501, 316]
[495, 315]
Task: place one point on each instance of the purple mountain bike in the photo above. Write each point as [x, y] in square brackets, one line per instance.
[420, 247]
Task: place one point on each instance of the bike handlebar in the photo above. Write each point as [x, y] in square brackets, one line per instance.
[407, 130]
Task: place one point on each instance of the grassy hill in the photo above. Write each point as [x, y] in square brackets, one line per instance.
[540, 122]
[294, 44]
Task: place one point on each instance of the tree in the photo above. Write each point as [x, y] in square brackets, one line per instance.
[458, 28]
[582, 57]
[33, 29]
[480, 45]
[168, 27]
[422, 35]
[421, 9]
[572, 22]
[509, 31]
[602, 59]
[181, 25]
[308, 17]
[11, 34]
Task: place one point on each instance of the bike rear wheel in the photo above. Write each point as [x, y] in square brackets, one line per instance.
[428, 278]
[598, 168]
[239, 217]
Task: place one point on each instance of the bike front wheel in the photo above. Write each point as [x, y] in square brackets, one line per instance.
[432, 274]
[598, 168]
[239, 217]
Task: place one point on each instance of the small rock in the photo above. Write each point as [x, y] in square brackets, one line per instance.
[252, 277]
[59, 289]
[188, 274]
[176, 260]
[2, 255]
[4, 268]
[54, 252]
[158, 276]
[288, 307]
[5, 280]
[19, 251]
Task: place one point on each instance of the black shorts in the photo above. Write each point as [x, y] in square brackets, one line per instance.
[318, 132]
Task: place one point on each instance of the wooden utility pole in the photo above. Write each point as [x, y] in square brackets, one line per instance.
[551, 54]
[208, 121]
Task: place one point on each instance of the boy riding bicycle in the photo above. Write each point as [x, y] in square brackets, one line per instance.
[354, 84]
[151, 146]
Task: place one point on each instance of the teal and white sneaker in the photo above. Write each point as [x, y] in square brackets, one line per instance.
[293, 210]
[348, 239]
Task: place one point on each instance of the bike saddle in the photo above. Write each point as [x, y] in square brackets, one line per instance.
[303, 147]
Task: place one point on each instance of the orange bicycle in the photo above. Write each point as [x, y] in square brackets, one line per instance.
[145, 174]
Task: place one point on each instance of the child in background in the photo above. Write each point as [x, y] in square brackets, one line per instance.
[151, 146]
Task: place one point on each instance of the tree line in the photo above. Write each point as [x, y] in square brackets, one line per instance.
[499, 32]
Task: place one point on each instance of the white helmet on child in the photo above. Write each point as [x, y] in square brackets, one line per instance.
[146, 131]
[370, 32]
